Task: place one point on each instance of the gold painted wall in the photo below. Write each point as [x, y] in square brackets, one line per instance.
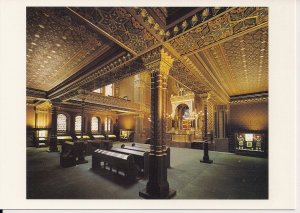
[126, 88]
[38, 117]
[30, 117]
[126, 121]
[249, 116]
[43, 118]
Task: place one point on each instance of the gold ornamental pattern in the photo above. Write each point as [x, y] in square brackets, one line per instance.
[236, 21]
[241, 63]
[120, 24]
[57, 46]
[193, 81]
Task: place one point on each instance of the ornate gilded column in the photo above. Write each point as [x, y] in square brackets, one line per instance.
[205, 121]
[140, 98]
[82, 119]
[82, 94]
[53, 131]
[159, 64]
[82, 144]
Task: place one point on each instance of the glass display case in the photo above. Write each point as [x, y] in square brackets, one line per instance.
[250, 142]
[126, 135]
[41, 137]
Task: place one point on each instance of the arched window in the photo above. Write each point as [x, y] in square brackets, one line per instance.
[78, 123]
[109, 90]
[107, 124]
[61, 123]
[95, 124]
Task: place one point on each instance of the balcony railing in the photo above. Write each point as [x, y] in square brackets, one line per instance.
[112, 102]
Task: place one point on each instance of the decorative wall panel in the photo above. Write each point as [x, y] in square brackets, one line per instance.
[249, 116]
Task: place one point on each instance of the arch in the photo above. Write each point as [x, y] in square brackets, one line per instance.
[182, 110]
[182, 117]
[62, 124]
[95, 124]
[175, 106]
[108, 124]
[78, 123]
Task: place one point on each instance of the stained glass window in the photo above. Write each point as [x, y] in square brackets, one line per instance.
[78, 123]
[61, 123]
[109, 90]
[95, 124]
[107, 124]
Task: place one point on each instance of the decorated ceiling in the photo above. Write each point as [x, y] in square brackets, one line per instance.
[221, 50]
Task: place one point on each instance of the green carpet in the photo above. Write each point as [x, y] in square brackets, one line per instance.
[229, 177]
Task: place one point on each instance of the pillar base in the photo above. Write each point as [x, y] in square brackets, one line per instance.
[206, 161]
[146, 195]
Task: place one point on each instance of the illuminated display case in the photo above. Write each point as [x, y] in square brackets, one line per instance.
[41, 137]
[250, 143]
[126, 135]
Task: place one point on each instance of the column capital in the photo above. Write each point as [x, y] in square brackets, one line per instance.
[206, 95]
[158, 59]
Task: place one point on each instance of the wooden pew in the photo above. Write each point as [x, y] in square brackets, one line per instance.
[135, 148]
[140, 158]
[92, 145]
[147, 147]
[67, 155]
[119, 161]
[71, 150]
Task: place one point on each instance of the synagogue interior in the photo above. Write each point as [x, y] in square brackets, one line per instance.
[147, 102]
